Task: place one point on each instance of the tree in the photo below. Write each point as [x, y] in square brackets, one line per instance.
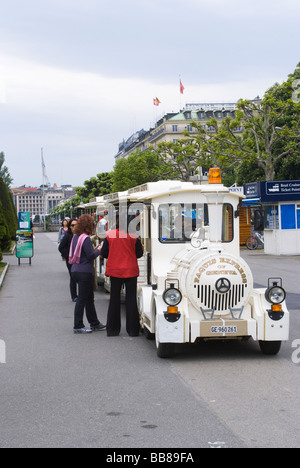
[4, 172]
[271, 131]
[5, 237]
[139, 168]
[275, 137]
[181, 158]
[8, 208]
[94, 187]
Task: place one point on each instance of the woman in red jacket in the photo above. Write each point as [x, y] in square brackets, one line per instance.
[122, 251]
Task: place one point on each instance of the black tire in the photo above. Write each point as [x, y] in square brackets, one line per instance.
[251, 243]
[148, 334]
[270, 347]
[165, 350]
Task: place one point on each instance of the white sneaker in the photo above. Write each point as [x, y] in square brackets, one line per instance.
[84, 331]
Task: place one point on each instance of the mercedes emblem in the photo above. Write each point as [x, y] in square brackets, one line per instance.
[223, 285]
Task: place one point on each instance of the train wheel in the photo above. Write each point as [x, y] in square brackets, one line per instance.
[270, 347]
[148, 334]
[165, 350]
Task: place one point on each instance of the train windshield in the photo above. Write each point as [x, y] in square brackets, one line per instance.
[178, 221]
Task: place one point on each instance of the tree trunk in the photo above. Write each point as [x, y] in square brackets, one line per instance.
[270, 173]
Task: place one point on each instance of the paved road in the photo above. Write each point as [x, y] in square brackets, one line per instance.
[65, 390]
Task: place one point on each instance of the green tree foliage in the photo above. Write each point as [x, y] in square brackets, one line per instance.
[270, 137]
[8, 208]
[5, 237]
[181, 159]
[139, 168]
[94, 187]
[4, 172]
[8, 215]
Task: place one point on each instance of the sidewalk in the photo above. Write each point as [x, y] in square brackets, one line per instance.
[2, 276]
[265, 266]
[47, 366]
[42, 287]
[64, 390]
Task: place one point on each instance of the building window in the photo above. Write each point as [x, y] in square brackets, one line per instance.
[175, 128]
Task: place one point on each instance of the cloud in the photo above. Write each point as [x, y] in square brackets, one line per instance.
[83, 116]
[78, 77]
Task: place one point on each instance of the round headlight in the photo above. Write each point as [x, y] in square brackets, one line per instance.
[275, 295]
[172, 297]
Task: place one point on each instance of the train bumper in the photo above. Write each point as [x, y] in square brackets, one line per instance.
[221, 328]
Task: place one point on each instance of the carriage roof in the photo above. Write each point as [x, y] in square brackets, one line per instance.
[152, 190]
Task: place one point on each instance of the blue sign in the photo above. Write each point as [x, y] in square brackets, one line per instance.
[281, 190]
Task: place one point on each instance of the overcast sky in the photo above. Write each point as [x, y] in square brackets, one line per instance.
[79, 76]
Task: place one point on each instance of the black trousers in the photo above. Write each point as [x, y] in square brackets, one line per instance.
[85, 300]
[73, 286]
[113, 325]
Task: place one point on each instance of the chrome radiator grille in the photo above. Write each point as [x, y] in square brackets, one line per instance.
[209, 298]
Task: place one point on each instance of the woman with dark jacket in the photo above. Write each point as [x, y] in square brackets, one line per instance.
[64, 248]
[122, 251]
[82, 256]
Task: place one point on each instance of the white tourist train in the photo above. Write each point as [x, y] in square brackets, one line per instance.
[193, 282]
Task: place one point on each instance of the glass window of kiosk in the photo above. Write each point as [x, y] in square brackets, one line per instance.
[271, 214]
[290, 216]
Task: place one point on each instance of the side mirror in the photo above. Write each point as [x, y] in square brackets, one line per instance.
[259, 220]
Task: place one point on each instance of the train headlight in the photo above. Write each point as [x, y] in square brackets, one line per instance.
[172, 296]
[275, 295]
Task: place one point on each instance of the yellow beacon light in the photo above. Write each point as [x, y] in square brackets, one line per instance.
[215, 176]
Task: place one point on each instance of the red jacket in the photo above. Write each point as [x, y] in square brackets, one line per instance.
[122, 252]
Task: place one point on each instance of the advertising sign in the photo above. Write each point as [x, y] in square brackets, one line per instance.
[252, 190]
[275, 191]
[24, 220]
[24, 244]
[289, 187]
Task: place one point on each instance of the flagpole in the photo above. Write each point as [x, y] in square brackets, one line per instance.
[43, 176]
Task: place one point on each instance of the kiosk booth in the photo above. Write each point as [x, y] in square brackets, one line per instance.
[280, 201]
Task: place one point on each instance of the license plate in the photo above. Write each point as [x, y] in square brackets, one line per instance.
[224, 329]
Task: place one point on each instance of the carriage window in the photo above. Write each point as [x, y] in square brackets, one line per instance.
[227, 226]
[178, 221]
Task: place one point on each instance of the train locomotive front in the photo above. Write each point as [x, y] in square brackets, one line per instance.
[203, 288]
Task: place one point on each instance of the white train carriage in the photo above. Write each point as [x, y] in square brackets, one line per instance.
[193, 282]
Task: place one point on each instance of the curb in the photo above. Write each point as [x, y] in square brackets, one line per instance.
[3, 275]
